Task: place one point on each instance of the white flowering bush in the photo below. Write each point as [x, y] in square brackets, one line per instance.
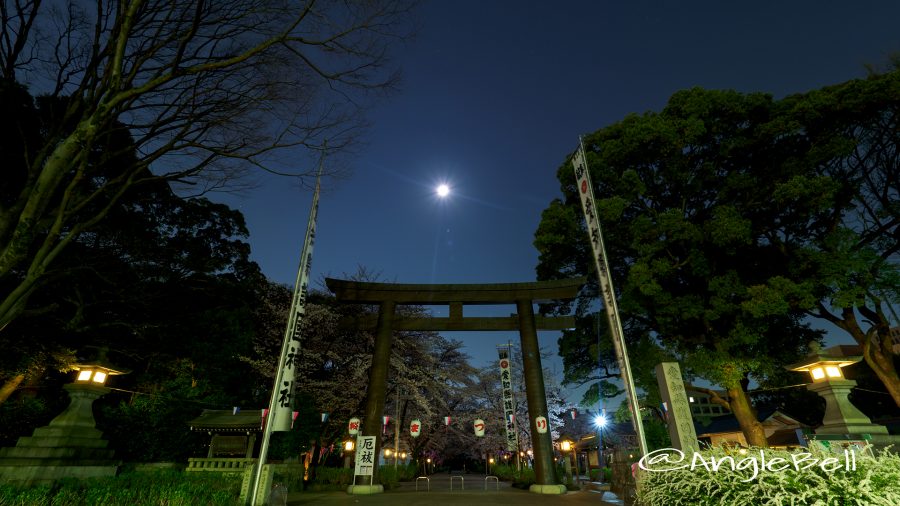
[719, 476]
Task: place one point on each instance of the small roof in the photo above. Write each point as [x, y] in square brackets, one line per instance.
[841, 355]
[784, 437]
[728, 423]
[225, 420]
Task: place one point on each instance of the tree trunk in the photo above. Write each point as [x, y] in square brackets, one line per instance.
[883, 364]
[876, 348]
[10, 386]
[746, 417]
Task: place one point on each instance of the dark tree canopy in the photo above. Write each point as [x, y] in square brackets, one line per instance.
[718, 212]
[193, 93]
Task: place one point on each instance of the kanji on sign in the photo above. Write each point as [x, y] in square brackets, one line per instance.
[365, 461]
[284, 395]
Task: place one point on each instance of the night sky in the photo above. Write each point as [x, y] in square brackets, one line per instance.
[493, 98]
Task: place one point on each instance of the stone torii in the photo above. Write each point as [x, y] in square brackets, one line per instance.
[524, 295]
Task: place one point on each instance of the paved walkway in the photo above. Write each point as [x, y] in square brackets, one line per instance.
[472, 494]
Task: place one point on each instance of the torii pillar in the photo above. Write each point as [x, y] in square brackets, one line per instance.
[524, 295]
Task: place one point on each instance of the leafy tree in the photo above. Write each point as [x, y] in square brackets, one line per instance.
[685, 197]
[200, 90]
[165, 283]
[846, 272]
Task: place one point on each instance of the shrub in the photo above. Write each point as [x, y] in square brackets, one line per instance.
[874, 482]
[389, 476]
[524, 478]
[170, 488]
[332, 478]
[603, 474]
[504, 472]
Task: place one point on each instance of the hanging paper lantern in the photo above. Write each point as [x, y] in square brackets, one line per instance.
[541, 424]
[415, 427]
[353, 426]
[479, 427]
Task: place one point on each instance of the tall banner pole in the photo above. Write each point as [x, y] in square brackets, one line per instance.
[588, 205]
[280, 416]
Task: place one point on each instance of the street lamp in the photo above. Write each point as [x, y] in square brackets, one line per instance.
[600, 422]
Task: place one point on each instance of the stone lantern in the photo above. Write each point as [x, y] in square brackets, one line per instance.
[825, 367]
[70, 446]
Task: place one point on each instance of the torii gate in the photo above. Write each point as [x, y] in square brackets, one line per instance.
[524, 295]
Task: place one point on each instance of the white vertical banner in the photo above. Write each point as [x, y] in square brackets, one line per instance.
[509, 403]
[280, 416]
[280, 405]
[607, 293]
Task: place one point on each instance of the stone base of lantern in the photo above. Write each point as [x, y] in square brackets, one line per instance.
[70, 447]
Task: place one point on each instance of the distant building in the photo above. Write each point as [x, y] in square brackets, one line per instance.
[233, 433]
[702, 406]
[782, 431]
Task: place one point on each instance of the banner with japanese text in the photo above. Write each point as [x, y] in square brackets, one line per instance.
[595, 236]
[509, 402]
[280, 418]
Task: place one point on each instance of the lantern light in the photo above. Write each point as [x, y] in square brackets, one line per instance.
[826, 365]
[348, 445]
[96, 374]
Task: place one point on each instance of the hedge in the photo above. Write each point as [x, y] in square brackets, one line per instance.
[875, 481]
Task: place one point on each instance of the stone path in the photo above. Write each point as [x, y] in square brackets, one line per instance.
[473, 493]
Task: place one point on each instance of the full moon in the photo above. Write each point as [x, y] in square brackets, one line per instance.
[443, 190]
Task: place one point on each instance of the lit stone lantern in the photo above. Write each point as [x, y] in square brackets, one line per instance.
[825, 367]
[70, 446]
[349, 445]
[566, 446]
